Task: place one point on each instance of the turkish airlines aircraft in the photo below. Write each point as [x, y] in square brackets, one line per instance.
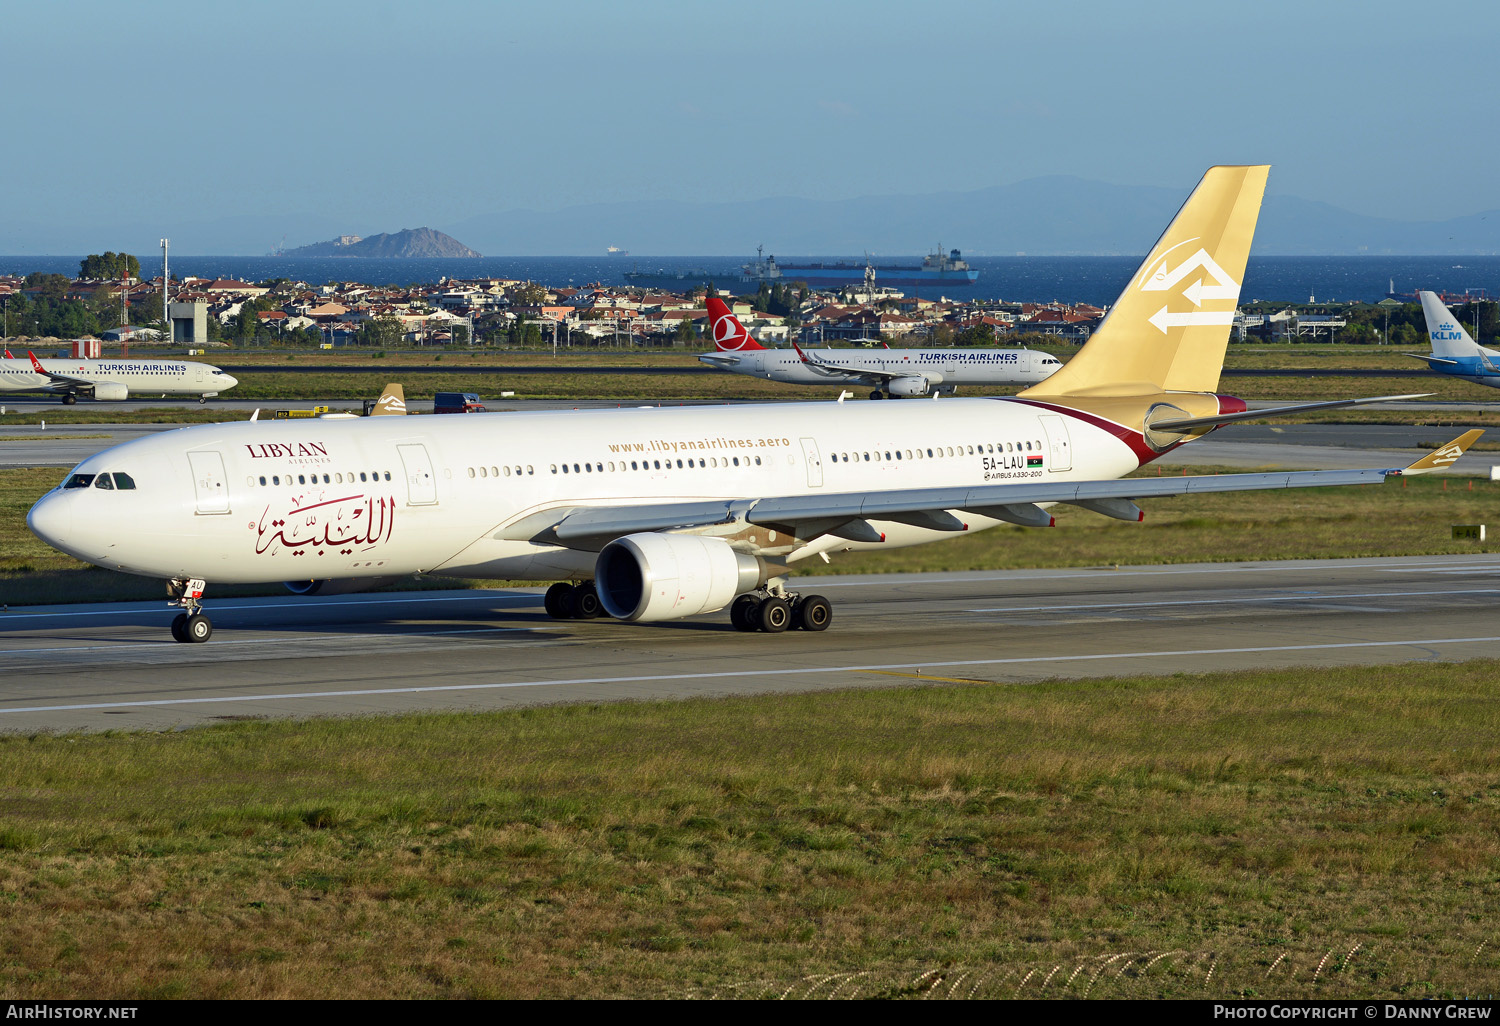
[113, 380]
[895, 372]
[667, 513]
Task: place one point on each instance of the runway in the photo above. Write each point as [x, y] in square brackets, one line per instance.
[115, 666]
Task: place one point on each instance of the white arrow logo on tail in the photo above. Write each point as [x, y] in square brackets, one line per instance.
[1164, 320]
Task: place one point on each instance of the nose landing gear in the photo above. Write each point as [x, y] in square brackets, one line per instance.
[190, 626]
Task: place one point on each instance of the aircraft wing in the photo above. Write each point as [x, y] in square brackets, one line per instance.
[846, 514]
[1431, 359]
[852, 375]
[1275, 411]
[56, 379]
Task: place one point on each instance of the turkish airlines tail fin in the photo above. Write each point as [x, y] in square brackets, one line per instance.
[1168, 330]
[8, 356]
[392, 402]
[729, 334]
[1446, 332]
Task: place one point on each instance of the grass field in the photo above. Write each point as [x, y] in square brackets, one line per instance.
[1246, 834]
[1411, 516]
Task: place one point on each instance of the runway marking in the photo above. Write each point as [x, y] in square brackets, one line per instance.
[919, 675]
[477, 596]
[1133, 571]
[164, 647]
[885, 668]
[1316, 596]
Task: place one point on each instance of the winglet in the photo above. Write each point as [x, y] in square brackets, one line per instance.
[729, 333]
[1443, 456]
[8, 356]
[36, 364]
[800, 354]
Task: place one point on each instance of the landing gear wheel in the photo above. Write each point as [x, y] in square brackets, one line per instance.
[774, 616]
[559, 601]
[179, 627]
[877, 394]
[813, 613]
[69, 399]
[586, 604]
[742, 613]
[197, 629]
[202, 399]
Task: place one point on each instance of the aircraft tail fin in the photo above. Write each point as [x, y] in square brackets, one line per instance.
[8, 356]
[1446, 332]
[729, 334]
[1170, 327]
[392, 402]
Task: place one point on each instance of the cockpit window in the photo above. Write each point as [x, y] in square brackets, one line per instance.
[104, 481]
[79, 481]
[124, 481]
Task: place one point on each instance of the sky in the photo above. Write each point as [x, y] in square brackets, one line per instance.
[392, 115]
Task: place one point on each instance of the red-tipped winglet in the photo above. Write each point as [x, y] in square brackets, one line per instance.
[8, 356]
[36, 364]
[729, 334]
[800, 354]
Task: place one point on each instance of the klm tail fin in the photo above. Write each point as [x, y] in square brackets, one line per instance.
[392, 402]
[1449, 339]
[729, 334]
[1168, 330]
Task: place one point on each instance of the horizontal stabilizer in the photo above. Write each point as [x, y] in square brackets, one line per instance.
[1189, 423]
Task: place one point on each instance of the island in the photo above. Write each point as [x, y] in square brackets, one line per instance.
[405, 244]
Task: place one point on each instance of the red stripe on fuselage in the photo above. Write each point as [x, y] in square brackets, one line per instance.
[1144, 454]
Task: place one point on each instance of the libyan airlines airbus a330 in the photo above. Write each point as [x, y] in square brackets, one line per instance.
[655, 514]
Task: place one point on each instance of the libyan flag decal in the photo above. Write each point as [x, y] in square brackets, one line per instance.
[1033, 461]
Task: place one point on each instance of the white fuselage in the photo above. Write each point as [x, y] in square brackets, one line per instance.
[139, 377]
[947, 368]
[284, 501]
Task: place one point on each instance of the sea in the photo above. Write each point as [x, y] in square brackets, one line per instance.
[1072, 279]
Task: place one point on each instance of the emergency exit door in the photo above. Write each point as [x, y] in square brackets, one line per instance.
[421, 486]
[210, 484]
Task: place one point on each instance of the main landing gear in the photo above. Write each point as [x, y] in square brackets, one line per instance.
[775, 613]
[70, 398]
[565, 601]
[190, 626]
[877, 394]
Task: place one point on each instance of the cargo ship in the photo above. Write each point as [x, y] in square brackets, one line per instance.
[941, 270]
[947, 270]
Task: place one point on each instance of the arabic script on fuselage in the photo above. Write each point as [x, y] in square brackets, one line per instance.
[336, 525]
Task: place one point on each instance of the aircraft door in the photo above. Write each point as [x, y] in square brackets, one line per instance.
[1060, 456]
[814, 463]
[210, 483]
[421, 486]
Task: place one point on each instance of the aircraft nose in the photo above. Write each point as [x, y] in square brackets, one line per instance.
[230, 381]
[51, 519]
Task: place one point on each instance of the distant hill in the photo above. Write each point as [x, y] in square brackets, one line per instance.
[1058, 215]
[405, 244]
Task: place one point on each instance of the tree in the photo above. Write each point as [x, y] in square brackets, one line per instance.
[53, 286]
[975, 335]
[460, 334]
[527, 295]
[684, 333]
[381, 332]
[109, 265]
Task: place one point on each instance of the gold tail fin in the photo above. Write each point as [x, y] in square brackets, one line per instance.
[1168, 330]
[392, 402]
[1445, 455]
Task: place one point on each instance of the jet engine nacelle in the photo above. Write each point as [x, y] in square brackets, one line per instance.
[909, 387]
[338, 585]
[649, 577]
[111, 392]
